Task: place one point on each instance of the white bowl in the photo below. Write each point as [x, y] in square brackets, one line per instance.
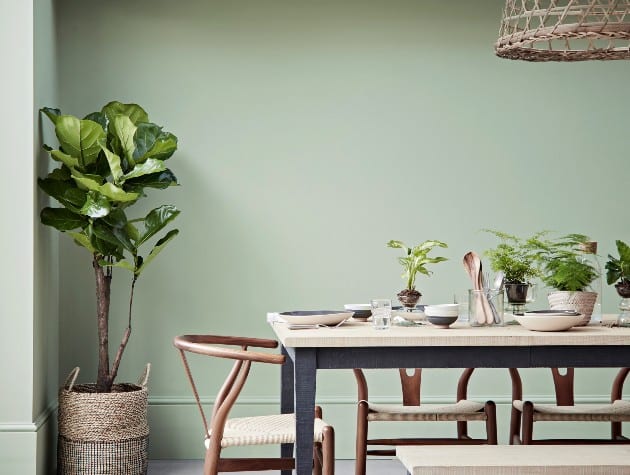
[414, 316]
[548, 322]
[357, 307]
[443, 310]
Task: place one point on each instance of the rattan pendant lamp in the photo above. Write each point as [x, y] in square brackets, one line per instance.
[565, 30]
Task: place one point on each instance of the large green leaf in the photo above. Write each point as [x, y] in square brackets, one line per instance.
[84, 241]
[150, 166]
[133, 111]
[122, 264]
[107, 248]
[156, 220]
[125, 239]
[110, 190]
[62, 174]
[99, 118]
[66, 192]
[67, 160]
[159, 246]
[123, 131]
[96, 205]
[104, 232]
[52, 113]
[151, 142]
[62, 219]
[160, 180]
[79, 138]
[117, 194]
[116, 219]
[114, 163]
[624, 251]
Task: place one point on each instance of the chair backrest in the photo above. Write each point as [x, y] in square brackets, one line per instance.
[564, 385]
[411, 385]
[243, 358]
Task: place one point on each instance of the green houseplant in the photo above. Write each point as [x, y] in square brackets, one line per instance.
[618, 270]
[618, 273]
[107, 161]
[565, 269]
[414, 261]
[517, 259]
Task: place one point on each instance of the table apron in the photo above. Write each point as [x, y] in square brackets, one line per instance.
[577, 356]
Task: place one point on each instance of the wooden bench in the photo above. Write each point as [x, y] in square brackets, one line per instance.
[515, 459]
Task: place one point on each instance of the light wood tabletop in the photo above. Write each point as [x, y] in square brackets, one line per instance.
[361, 334]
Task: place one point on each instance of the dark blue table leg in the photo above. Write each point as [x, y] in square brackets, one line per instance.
[286, 401]
[305, 377]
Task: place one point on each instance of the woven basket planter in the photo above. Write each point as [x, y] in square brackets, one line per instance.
[582, 302]
[102, 433]
[565, 30]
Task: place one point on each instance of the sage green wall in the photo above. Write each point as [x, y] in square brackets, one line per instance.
[311, 133]
[28, 289]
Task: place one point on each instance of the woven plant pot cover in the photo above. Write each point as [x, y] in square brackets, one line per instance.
[582, 302]
[102, 433]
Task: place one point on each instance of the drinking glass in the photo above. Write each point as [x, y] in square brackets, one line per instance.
[485, 307]
[381, 313]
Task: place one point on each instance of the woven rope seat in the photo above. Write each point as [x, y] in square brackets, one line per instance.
[426, 412]
[580, 412]
[261, 430]
[565, 30]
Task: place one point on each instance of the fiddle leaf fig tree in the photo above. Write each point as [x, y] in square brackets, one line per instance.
[107, 161]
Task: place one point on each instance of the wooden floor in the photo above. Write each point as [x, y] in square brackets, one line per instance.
[342, 467]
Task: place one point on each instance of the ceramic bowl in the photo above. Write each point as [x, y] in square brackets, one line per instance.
[360, 311]
[441, 321]
[444, 310]
[549, 321]
[314, 317]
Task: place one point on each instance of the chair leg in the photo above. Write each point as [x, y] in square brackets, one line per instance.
[317, 458]
[528, 423]
[361, 442]
[515, 427]
[328, 451]
[213, 453]
[615, 430]
[491, 422]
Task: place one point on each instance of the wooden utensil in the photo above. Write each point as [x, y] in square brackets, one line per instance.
[472, 264]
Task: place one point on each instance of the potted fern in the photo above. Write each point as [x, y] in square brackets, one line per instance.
[107, 161]
[566, 270]
[414, 261]
[516, 258]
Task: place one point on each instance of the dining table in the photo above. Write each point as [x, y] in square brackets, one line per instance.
[358, 345]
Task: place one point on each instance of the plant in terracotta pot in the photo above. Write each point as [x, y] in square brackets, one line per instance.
[106, 162]
[618, 273]
[517, 259]
[414, 261]
[565, 270]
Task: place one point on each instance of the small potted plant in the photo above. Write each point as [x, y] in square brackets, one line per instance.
[618, 273]
[105, 164]
[415, 261]
[517, 259]
[566, 270]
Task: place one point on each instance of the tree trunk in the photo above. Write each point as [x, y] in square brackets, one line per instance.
[103, 286]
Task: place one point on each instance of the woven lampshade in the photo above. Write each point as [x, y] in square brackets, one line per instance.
[565, 30]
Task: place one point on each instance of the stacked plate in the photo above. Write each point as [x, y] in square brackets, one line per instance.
[442, 316]
[549, 320]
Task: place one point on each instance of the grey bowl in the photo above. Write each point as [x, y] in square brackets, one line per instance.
[441, 322]
[361, 315]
